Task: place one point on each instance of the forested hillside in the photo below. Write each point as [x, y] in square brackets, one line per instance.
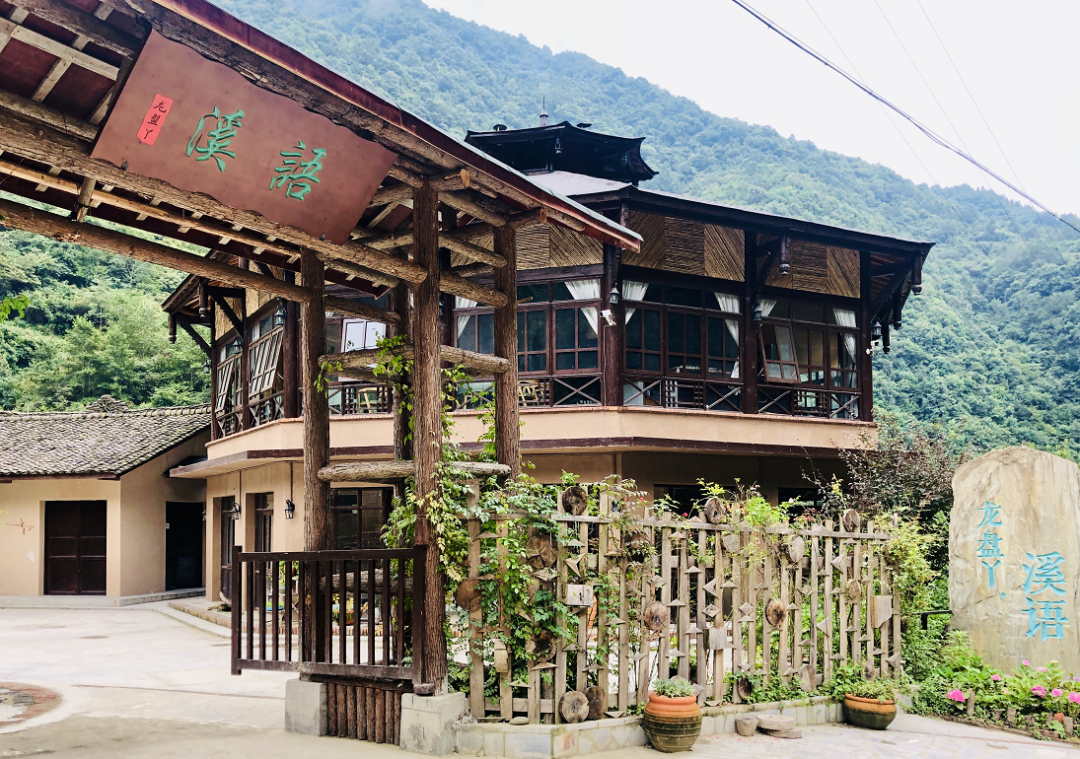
[991, 345]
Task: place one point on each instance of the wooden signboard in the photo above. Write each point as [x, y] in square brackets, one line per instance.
[202, 127]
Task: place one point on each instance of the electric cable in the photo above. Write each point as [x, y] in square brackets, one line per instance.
[930, 133]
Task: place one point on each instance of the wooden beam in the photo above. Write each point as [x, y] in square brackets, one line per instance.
[451, 182]
[395, 471]
[359, 310]
[472, 270]
[66, 153]
[348, 267]
[885, 295]
[29, 37]
[388, 242]
[427, 430]
[393, 194]
[317, 530]
[483, 363]
[195, 336]
[458, 285]
[472, 208]
[86, 196]
[507, 420]
[17, 216]
[472, 252]
[48, 116]
[237, 322]
[83, 24]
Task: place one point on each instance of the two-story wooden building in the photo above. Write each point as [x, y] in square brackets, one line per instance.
[736, 346]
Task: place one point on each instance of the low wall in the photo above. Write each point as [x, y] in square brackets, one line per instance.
[584, 738]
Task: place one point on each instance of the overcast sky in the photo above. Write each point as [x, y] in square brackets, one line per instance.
[1019, 60]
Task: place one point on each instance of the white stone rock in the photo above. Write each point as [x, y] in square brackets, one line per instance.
[305, 707]
[428, 722]
[1017, 511]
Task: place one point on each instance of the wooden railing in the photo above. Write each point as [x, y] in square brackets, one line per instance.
[344, 613]
[805, 401]
[684, 393]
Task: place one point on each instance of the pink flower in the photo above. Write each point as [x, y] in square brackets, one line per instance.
[1041, 669]
[1076, 679]
[996, 678]
[956, 695]
[1056, 692]
[1026, 663]
[1074, 698]
[1038, 690]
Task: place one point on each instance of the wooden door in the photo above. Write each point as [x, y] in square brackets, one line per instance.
[228, 539]
[75, 547]
[183, 545]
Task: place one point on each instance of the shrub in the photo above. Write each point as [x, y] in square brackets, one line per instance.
[673, 688]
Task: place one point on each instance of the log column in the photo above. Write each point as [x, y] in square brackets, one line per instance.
[748, 349]
[507, 419]
[427, 427]
[865, 361]
[612, 336]
[316, 408]
[402, 448]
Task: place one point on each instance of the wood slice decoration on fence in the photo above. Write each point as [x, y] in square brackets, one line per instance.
[654, 597]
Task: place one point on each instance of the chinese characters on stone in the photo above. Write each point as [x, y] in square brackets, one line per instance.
[1046, 617]
[989, 549]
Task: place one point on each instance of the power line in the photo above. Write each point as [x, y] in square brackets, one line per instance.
[934, 136]
[1001, 205]
[885, 113]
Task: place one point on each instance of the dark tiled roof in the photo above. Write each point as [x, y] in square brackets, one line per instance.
[108, 438]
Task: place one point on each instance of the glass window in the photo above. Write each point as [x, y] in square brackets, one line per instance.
[801, 311]
[359, 517]
[532, 341]
[684, 343]
[576, 341]
[643, 337]
[476, 332]
[532, 294]
[778, 348]
[723, 347]
[810, 355]
[359, 334]
[683, 296]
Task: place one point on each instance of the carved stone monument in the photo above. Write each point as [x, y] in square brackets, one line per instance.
[1014, 557]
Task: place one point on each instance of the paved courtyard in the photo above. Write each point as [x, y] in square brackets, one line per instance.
[135, 682]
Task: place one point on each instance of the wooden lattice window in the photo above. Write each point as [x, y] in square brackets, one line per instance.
[265, 355]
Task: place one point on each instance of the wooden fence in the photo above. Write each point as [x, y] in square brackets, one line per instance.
[337, 613]
[728, 607]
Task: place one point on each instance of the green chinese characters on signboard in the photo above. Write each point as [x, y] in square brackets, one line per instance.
[217, 139]
[295, 174]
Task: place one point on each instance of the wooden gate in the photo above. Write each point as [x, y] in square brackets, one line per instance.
[368, 711]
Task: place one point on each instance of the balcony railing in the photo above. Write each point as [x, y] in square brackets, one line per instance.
[360, 398]
[801, 401]
[537, 392]
[265, 410]
[684, 393]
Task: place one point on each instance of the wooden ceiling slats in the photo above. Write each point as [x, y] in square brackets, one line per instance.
[88, 26]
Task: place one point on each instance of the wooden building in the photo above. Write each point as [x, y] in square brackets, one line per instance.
[87, 506]
[733, 346]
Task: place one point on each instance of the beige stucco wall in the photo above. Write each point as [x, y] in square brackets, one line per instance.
[286, 534]
[139, 562]
[135, 523]
[22, 534]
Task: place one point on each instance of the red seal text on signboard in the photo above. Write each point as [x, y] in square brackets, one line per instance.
[154, 119]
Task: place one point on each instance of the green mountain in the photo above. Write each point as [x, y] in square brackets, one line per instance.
[991, 345]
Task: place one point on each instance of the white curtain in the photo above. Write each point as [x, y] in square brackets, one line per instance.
[728, 302]
[846, 318]
[463, 321]
[587, 289]
[632, 290]
[733, 328]
[767, 306]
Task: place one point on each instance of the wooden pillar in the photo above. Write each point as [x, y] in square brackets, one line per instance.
[290, 368]
[507, 418]
[748, 350]
[214, 389]
[865, 361]
[402, 448]
[427, 428]
[245, 366]
[316, 409]
[612, 335]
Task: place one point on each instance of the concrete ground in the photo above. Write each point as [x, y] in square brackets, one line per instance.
[146, 681]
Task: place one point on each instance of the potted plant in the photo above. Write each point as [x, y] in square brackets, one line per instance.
[672, 718]
[870, 704]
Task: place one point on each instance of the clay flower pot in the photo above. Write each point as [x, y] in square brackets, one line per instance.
[869, 712]
[672, 724]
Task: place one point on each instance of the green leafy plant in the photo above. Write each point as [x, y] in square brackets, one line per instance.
[673, 688]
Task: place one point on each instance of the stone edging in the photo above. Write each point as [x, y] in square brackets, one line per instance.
[562, 741]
